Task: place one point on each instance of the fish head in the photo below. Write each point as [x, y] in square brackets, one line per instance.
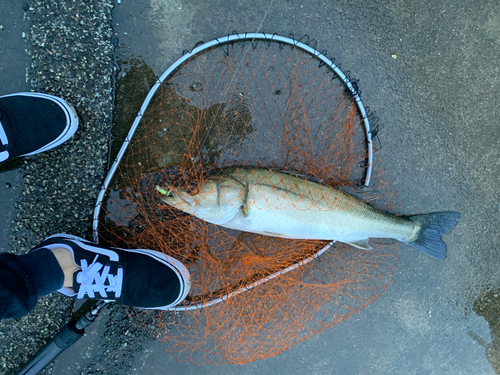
[179, 199]
[202, 201]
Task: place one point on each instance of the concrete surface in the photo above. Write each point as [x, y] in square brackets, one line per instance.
[438, 100]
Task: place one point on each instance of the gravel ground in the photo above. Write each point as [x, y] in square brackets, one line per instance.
[72, 50]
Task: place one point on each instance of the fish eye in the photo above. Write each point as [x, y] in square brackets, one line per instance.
[193, 188]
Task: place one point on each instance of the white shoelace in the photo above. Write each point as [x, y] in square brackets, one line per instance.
[91, 281]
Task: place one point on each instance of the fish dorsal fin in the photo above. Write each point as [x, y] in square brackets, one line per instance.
[299, 175]
[364, 193]
[361, 244]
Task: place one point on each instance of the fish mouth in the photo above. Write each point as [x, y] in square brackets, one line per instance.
[164, 191]
[174, 197]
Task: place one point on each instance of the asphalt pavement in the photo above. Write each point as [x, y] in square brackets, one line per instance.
[13, 72]
[430, 70]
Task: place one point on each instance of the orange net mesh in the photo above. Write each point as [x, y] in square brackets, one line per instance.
[247, 105]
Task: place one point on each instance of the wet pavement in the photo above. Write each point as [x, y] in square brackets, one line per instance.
[430, 71]
[13, 70]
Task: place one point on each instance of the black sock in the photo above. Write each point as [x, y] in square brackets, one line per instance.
[44, 270]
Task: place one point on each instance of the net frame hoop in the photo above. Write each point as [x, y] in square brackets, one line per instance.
[252, 285]
[189, 54]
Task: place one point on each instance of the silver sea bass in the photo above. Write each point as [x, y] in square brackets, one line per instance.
[282, 205]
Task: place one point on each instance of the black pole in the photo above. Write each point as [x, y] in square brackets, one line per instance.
[67, 336]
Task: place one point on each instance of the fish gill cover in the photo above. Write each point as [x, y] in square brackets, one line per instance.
[247, 103]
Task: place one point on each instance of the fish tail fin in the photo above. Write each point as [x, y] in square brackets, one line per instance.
[433, 226]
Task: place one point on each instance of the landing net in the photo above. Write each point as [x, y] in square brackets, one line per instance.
[246, 101]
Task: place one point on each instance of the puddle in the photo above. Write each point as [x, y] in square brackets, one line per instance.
[487, 306]
[134, 80]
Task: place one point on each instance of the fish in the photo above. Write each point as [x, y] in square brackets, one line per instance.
[279, 204]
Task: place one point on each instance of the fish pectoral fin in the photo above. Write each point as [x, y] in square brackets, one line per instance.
[245, 211]
[245, 207]
[361, 244]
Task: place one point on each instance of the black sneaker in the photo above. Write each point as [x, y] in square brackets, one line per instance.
[32, 122]
[141, 278]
